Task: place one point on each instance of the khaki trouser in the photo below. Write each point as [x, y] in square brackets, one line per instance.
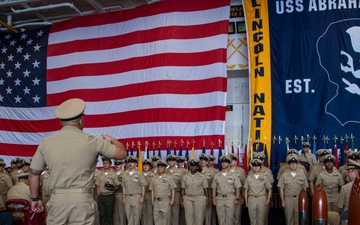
[175, 209]
[237, 213]
[71, 209]
[225, 209]
[162, 211]
[257, 209]
[119, 210]
[147, 213]
[133, 209]
[209, 210]
[291, 210]
[194, 209]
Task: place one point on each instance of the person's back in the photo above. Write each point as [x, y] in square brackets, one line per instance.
[71, 156]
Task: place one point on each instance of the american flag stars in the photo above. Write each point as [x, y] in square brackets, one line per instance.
[23, 69]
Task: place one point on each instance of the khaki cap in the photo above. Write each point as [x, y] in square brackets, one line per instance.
[328, 158]
[146, 161]
[2, 163]
[205, 157]
[292, 158]
[194, 162]
[256, 162]
[293, 151]
[180, 159]
[325, 152]
[352, 164]
[23, 175]
[161, 162]
[259, 156]
[212, 158]
[233, 156]
[70, 109]
[171, 157]
[306, 145]
[118, 162]
[131, 158]
[155, 158]
[225, 158]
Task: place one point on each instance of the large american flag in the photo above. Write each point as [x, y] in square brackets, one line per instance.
[154, 73]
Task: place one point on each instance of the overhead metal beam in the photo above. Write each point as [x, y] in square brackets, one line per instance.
[7, 26]
[97, 6]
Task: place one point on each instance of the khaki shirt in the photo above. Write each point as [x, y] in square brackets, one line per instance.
[177, 175]
[19, 191]
[5, 183]
[331, 183]
[209, 175]
[148, 176]
[241, 174]
[342, 168]
[104, 177]
[310, 158]
[345, 176]
[226, 184]
[162, 185]
[344, 196]
[194, 184]
[133, 183]
[257, 187]
[14, 177]
[44, 181]
[265, 172]
[71, 157]
[286, 167]
[293, 185]
[120, 174]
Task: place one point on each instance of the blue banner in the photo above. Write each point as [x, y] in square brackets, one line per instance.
[315, 72]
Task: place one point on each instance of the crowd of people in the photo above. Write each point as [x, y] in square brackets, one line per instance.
[166, 191]
[62, 180]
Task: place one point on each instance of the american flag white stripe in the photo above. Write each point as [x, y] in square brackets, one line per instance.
[134, 77]
[156, 21]
[147, 49]
[150, 74]
[125, 105]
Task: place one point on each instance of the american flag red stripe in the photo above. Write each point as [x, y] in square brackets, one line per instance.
[154, 73]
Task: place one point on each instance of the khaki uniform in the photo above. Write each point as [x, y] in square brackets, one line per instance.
[292, 187]
[119, 207]
[14, 177]
[309, 158]
[225, 187]
[286, 167]
[19, 191]
[46, 192]
[344, 196]
[148, 213]
[5, 184]
[133, 183]
[269, 175]
[175, 208]
[106, 198]
[161, 186]
[343, 167]
[238, 207]
[210, 211]
[257, 197]
[331, 183]
[194, 200]
[71, 179]
[345, 176]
